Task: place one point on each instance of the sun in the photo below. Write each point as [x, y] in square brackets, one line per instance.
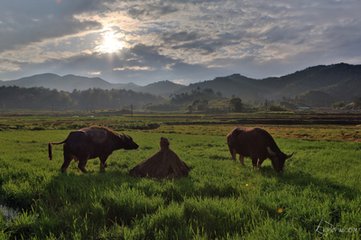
[110, 42]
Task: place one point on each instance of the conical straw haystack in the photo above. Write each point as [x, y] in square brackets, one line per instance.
[163, 164]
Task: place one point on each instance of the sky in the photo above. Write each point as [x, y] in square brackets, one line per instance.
[183, 41]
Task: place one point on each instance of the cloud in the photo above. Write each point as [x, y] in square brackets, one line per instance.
[182, 36]
[8, 66]
[50, 28]
[95, 73]
[185, 39]
[127, 66]
[133, 68]
[148, 10]
[37, 20]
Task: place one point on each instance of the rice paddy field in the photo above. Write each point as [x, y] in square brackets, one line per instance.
[317, 197]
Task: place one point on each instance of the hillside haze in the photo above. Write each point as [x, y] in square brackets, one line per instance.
[71, 82]
[64, 83]
[339, 82]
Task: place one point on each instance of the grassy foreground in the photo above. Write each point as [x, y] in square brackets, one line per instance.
[316, 197]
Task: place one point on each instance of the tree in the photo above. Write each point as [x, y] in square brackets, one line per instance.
[190, 109]
[236, 104]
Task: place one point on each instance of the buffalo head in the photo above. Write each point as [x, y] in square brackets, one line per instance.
[126, 142]
[278, 159]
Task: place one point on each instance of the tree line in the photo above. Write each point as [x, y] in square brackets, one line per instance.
[197, 100]
[201, 100]
[13, 97]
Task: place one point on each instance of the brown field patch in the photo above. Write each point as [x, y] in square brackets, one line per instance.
[306, 132]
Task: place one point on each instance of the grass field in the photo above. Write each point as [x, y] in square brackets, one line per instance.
[219, 199]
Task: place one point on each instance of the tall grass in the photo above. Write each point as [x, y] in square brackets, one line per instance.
[219, 199]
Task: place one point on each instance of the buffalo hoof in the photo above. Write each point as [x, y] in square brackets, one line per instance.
[83, 170]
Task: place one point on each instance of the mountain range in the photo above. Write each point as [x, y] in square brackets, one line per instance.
[70, 82]
[337, 82]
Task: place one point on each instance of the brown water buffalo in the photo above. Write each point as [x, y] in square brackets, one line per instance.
[257, 144]
[92, 142]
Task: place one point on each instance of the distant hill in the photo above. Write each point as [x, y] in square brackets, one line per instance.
[339, 81]
[162, 88]
[64, 83]
[70, 82]
[228, 86]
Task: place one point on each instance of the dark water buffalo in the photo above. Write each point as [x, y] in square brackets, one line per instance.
[257, 144]
[92, 142]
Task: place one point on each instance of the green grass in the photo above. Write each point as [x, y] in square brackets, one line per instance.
[219, 199]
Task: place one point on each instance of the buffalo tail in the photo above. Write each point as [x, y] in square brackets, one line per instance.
[50, 152]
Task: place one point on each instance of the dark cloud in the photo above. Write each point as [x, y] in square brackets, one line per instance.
[287, 34]
[182, 36]
[23, 23]
[145, 10]
[203, 43]
[210, 44]
[41, 29]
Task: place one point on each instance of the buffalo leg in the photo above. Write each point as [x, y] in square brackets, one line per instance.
[65, 164]
[103, 163]
[81, 164]
[254, 162]
[67, 160]
[233, 152]
[259, 163]
[241, 159]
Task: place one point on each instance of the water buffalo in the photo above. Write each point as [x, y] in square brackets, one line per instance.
[92, 142]
[257, 144]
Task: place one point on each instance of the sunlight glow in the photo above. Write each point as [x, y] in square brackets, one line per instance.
[110, 43]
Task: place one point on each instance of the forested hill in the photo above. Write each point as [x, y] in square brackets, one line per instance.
[342, 82]
[91, 99]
